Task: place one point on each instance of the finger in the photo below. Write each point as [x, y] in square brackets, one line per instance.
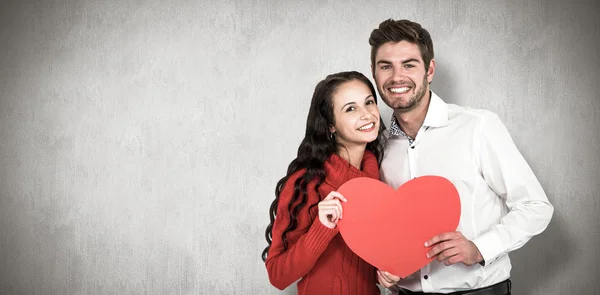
[340, 208]
[458, 258]
[444, 255]
[440, 247]
[329, 213]
[336, 204]
[441, 237]
[334, 215]
[380, 280]
[337, 210]
[383, 281]
[383, 277]
[392, 277]
[335, 194]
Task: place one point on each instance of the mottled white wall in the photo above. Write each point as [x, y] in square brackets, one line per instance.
[140, 141]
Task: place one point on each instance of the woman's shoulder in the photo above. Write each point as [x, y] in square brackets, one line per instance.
[292, 178]
[290, 183]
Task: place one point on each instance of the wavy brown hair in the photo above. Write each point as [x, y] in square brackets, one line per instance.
[316, 147]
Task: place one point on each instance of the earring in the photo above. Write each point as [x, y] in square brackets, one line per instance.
[332, 136]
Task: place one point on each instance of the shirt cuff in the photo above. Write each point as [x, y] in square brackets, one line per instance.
[489, 246]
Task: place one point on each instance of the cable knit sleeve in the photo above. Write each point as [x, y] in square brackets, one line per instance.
[305, 244]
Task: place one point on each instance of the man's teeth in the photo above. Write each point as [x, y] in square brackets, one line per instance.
[369, 126]
[399, 90]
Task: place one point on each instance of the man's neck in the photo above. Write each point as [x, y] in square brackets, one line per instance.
[410, 121]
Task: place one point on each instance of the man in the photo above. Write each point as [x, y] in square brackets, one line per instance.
[502, 203]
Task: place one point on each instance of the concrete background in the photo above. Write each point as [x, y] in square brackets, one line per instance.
[140, 141]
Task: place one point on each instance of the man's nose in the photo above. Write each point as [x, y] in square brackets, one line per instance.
[397, 73]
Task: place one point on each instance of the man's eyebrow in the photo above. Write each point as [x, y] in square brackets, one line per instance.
[410, 60]
[404, 61]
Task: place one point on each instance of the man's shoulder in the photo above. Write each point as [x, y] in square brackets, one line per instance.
[469, 114]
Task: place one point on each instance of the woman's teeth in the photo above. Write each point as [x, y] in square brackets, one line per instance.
[366, 127]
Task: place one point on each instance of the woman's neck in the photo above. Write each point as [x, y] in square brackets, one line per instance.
[353, 154]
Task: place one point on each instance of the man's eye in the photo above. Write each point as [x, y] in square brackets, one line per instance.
[386, 67]
[409, 66]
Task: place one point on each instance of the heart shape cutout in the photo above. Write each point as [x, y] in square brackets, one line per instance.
[388, 228]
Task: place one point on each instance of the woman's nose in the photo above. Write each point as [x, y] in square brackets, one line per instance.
[364, 115]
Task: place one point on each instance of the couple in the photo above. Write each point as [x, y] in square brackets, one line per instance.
[503, 204]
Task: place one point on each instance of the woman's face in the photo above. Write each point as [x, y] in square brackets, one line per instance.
[355, 114]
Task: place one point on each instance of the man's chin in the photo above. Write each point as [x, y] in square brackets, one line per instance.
[404, 106]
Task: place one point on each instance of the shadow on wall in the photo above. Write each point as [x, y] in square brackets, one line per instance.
[537, 266]
[443, 84]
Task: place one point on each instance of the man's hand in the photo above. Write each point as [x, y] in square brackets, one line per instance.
[387, 279]
[452, 248]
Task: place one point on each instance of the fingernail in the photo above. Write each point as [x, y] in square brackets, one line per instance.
[427, 255]
[426, 244]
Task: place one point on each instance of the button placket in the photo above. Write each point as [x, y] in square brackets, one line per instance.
[426, 278]
[412, 162]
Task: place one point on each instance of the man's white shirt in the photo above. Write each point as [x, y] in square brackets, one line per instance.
[502, 203]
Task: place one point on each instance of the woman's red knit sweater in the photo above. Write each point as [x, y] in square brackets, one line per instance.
[316, 254]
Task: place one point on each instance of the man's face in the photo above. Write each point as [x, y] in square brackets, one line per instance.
[400, 75]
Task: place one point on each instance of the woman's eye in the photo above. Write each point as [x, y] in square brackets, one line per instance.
[370, 101]
[350, 109]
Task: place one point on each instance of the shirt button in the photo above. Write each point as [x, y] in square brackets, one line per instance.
[412, 147]
[425, 277]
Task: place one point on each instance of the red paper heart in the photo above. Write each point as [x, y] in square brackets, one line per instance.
[388, 228]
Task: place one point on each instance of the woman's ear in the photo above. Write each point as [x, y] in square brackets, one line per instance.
[331, 129]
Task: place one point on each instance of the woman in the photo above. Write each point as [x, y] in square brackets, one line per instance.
[342, 141]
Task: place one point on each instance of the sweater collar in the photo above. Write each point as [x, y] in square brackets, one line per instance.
[338, 170]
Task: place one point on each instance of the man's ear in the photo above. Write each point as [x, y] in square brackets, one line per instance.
[373, 72]
[431, 70]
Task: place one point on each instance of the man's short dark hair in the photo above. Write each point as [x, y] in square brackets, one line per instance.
[402, 30]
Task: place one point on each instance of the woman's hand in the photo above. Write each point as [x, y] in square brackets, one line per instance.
[387, 279]
[330, 209]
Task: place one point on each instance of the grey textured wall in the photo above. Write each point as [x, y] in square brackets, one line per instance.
[140, 141]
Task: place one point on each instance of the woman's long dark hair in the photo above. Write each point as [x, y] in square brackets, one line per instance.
[316, 147]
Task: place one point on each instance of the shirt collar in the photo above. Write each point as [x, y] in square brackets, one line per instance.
[437, 113]
[437, 116]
